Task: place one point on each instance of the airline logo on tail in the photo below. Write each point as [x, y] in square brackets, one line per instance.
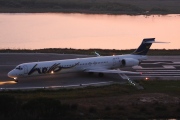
[144, 47]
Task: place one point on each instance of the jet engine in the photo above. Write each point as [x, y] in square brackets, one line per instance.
[129, 62]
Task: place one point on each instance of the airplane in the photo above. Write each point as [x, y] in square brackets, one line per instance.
[99, 64]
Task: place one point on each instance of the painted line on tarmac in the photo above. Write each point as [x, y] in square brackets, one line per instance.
[88, 84]
[155, 68]
[146, 63]
[154, 76]
[158, 70]
[57, 87]
[163, 74]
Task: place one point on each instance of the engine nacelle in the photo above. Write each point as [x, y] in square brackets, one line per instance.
[129, 62]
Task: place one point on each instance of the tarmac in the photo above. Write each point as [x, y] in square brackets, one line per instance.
[155, 67]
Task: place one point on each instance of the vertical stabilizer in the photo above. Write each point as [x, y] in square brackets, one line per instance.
[144, 47]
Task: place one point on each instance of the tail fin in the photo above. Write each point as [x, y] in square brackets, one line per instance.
[144, 47]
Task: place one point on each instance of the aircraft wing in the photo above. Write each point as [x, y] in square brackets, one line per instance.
[111, 71]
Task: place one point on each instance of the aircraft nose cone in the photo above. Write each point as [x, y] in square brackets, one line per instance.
[12, 74]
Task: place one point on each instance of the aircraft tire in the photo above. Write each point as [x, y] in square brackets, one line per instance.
[16, 81]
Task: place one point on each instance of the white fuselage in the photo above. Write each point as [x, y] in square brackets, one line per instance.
[75, 65]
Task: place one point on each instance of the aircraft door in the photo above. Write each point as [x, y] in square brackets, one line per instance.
[25, 69]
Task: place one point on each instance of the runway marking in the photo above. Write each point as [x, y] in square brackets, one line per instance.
[163, 67]
[168, 69]
[56, 87]
[162, 74]
[174, 63]
[22, 88]
[168, 66]
[155, 76]
[137, 67]
[97, 83]
[158, 70]
[165, 72]
[155, 63]
[87, 84]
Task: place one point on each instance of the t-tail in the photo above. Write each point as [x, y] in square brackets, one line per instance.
[144, 47]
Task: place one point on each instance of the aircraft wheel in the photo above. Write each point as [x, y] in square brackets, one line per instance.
[16, 81]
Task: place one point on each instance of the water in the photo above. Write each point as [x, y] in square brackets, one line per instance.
[49, 30]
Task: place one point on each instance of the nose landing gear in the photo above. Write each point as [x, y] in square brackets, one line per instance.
[15, 80]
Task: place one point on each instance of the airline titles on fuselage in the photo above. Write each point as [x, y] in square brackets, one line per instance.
[54, 68]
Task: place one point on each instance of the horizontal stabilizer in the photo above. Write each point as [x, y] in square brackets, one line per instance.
[155, 42]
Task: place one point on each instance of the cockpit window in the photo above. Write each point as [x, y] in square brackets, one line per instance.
[19, 68]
